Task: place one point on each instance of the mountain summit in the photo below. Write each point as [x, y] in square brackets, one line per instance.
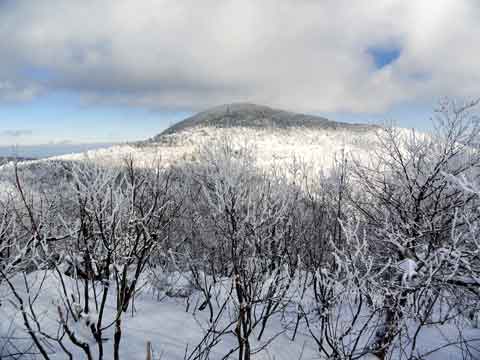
[255, 116]
[276, 136]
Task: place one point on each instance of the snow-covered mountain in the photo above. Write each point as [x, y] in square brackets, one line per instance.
[278, 136]
[255, 116]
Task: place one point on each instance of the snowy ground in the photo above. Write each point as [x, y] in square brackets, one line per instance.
[165, 322]
[173, 328]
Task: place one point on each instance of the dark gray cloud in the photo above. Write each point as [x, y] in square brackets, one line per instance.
[297, 54]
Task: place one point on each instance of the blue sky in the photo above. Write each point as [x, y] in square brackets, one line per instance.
[62, 118]
[119, 71]
[384, 56]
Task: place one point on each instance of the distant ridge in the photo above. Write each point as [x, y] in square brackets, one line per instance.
[255, 116]
[48, 150]
[7, 159]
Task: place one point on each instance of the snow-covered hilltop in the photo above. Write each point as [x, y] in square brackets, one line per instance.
[278, 136]
[256, 116]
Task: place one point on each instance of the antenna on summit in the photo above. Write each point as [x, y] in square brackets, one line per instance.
[228, 116]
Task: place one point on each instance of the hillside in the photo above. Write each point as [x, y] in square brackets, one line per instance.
[278, 136]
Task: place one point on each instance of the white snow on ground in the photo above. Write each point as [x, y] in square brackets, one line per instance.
[166, 324]
[172, 329]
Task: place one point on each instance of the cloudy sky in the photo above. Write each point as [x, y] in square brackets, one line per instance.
[116, 70]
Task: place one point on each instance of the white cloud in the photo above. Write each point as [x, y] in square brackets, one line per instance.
[306, 55]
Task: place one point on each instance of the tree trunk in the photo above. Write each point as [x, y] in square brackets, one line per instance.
[116, 339]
